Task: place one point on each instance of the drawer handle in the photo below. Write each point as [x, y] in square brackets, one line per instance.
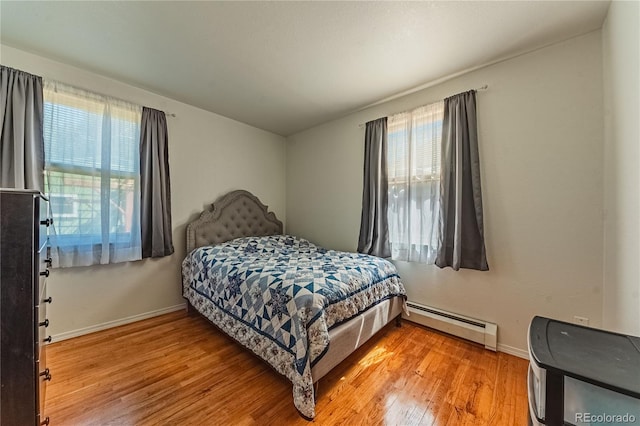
[48, 300]
[44, 323]
[45, 422]
[49, 262]
[46, 222]
[44, 273]
[47, 375]
[47, 340]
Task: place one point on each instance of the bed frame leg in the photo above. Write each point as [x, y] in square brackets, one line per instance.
[316, 387]
[399, 321]
[190, 309]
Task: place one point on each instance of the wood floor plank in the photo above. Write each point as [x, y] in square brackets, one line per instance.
[177, 369]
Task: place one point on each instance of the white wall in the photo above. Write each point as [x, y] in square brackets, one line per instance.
[541, 132]
[621, 52]
[208, 155]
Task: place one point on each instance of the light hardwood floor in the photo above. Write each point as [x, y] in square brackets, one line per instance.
[177, 369]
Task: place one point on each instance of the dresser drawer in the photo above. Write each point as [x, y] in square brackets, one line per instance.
[44, 257]
[43, 269]
[45, 221]
[44, 376]
[43, 321]
[43, 334]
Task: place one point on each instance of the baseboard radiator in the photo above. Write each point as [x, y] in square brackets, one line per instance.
[485, 333]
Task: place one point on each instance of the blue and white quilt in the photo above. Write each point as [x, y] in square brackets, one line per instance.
[280, 295]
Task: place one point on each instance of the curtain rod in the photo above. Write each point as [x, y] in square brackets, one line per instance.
[479, 89]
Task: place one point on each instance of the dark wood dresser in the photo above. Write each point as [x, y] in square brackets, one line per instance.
[24, 262]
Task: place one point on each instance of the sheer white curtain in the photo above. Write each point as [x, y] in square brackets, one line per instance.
[92, 163]
[413, 166]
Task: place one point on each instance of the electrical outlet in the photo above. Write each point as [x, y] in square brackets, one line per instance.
[581, 320]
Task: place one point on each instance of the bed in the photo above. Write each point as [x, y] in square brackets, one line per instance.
[299, 307]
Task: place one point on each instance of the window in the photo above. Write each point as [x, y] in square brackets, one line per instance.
[413, 167]
[92, 178]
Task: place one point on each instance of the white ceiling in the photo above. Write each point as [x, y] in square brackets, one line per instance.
[287, 66]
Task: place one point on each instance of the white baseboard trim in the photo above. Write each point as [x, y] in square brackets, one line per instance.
[520, 353]
[115, 323]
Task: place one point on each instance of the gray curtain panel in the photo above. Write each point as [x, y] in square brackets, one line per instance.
[374, 223]
[21, 139]
[155, 185]
[461, 220]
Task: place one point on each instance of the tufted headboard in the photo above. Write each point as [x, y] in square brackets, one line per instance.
[234, 215]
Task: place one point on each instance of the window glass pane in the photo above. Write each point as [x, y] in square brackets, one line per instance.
[125, 156]
[74, 140]
[75, 203]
